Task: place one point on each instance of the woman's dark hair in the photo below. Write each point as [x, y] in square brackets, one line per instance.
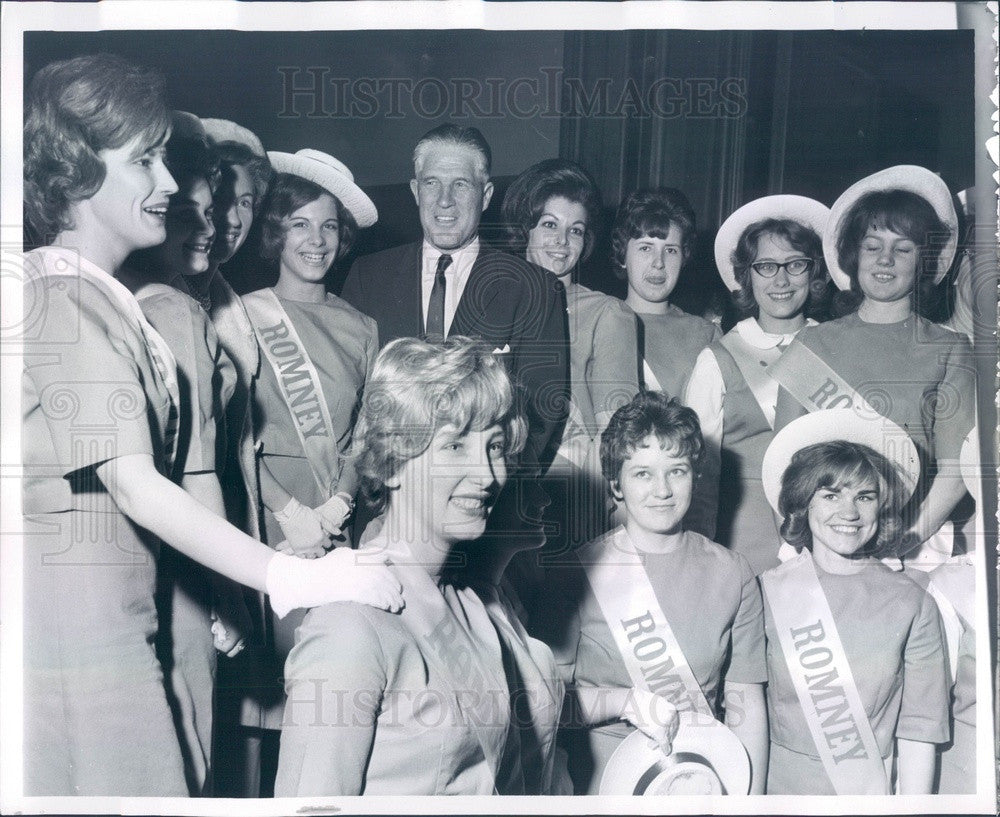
[834, 465]
[800, 238]
[288, 194]
[903, 212]
[530, 192]
[75, 109]
[649, 412]
[259, 168]
[651, 212]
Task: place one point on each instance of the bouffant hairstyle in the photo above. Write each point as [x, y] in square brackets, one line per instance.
[835, 465]
[467, 137]
[416, 388]
[903, 212]
[799, 237]
[288, 194]
[651, 213]
[74, 109]
[259, 168]
[650, 412]
[529, 193]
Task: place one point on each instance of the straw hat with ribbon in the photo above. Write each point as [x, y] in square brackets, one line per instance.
[222, 130]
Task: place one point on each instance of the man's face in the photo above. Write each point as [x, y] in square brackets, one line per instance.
[451, 194]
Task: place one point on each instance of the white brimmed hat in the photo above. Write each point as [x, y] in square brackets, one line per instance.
[914, 178]
[878, 433]
[330, 174]
[807, 212]
[706, 759]
[222, 130]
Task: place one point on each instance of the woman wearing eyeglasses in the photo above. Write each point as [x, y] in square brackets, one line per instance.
[770, 256]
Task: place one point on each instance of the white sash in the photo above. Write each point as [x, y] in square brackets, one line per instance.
[821, 674]
[755, 375]
[62, 261]
[807, 377]
[649, 380]
[643, 635]
[299, 384]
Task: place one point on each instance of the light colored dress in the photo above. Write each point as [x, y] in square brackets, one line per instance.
[185, 643]
[892, 637]
[729, 505]
[342, 344]
[414, 703]
[604, 375]
[914, 372]
[671, 343]
[711, 599]
[96, 717]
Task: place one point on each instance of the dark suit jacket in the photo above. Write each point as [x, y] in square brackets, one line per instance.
[507, 302]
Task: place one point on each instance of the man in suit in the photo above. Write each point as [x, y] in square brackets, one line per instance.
[449, 284]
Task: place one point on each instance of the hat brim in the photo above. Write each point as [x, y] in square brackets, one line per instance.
[805, 211]
[636, 763]
[223, 130]
[352, 197]
[878, 433]
[914, 178]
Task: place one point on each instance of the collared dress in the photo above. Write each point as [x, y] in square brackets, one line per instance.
[729, 505]
[96, 717]
[342, 344]
[709, 596]
[892, 638]
[414, 703]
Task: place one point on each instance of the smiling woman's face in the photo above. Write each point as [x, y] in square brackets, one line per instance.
[447, 492]
[556, 241]
[312, 236]
[190, 231]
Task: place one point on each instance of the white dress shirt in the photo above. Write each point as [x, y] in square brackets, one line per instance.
[456, 276]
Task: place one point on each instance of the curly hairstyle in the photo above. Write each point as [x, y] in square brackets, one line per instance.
[288, 194]
[903, 212]
[530, 192]
[75, 109]
[834, 465]
[259, 168]
[650, 412]
[416, 388]
[651, 212]
[799, 237]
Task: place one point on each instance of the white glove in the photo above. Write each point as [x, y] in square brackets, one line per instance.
[341, 575]
[653, 715]
[302, 528]
[334, 513]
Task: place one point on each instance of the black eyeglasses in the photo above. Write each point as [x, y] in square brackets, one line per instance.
[795, 267]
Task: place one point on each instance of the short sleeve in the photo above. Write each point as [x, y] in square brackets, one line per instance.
[85, 395]
[748, 661]
[923, 714]
[614, 377]
[335, 679]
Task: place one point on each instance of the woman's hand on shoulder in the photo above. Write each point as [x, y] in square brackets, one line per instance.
[341, 575]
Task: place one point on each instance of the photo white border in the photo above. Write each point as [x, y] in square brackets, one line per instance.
[17, 18]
